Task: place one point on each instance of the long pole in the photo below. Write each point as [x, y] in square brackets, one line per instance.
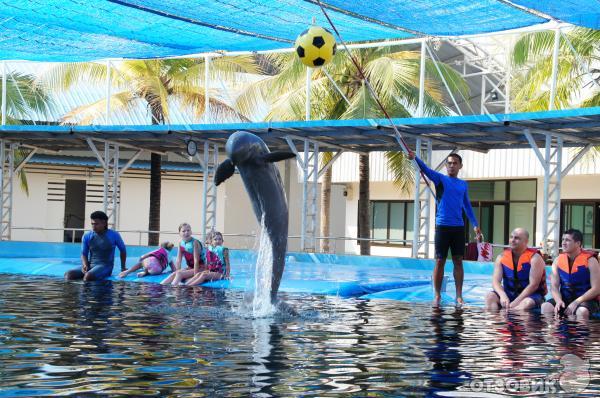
[551, 104]
[422, 80]
[108, 82]
[206, 90]
[3, 93]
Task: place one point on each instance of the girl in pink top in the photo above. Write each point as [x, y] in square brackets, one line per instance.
[154, 263]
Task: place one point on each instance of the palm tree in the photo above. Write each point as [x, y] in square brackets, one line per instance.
[25, 102]
[394, 75]
[156, 82]
[532, 58]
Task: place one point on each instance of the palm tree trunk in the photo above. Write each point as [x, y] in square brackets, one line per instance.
[364, 230]
[325, 210]
[155, 186]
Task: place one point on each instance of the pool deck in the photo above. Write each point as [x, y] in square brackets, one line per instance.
[369, 277]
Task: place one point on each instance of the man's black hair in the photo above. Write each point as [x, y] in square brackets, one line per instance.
[99, 215]
[575, 234]
[455, 156]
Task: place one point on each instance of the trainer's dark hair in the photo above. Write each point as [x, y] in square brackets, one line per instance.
[575, 234]
[455, 156]
[99, 215]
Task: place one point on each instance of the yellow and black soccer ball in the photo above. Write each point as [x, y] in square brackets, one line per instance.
[315, 46]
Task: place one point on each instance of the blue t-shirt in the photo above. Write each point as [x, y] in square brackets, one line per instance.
[100, 248]
[452, 196]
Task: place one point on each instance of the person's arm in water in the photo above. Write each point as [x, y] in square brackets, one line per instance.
[85, 252]
[469, 212]
[592, 292]
[227, 266]
[555, 288]
[497, 283]
[122, 250]
[535, 277]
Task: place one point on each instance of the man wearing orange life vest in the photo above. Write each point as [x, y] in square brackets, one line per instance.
[519, 279]
[575, 279]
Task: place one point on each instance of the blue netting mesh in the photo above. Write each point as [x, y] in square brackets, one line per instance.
[578, 12]
[443, 17]
[78, 30]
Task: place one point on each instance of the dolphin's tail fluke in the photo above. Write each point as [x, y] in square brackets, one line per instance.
[224, 171]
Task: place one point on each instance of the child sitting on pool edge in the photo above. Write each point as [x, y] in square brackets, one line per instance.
[154, 263]
[217, 268]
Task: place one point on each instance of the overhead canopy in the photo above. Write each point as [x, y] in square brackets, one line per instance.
[79, 30]
[479, 132]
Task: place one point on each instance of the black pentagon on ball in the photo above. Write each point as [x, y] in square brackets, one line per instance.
[300, 51]
[318, 61]
[334, 48]
[318, 41]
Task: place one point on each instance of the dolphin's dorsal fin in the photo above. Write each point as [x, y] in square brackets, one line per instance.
[276, 156]
[224, 171]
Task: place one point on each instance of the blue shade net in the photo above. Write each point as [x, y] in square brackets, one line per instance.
[443, 17]
[577, 12]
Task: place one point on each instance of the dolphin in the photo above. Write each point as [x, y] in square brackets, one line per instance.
[255, 162]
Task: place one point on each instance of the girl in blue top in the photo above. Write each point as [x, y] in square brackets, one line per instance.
[191, 249]
[213, 271]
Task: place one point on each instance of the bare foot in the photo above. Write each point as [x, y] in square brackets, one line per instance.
[460, 302]
[436, 301]
[123, 274]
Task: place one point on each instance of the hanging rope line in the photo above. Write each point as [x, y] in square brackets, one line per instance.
[399, 138]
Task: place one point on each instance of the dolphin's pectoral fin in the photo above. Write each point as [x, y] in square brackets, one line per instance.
[224, 171]
[276, 156]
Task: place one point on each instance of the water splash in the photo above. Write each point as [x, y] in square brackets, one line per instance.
[263, 272]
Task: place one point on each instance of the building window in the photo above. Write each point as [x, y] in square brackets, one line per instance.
[392, 222]
[501, 206]
[582, 215]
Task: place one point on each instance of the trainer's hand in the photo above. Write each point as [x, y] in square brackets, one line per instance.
[411, 155]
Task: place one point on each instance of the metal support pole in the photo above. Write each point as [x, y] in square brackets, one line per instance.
[108, 83]
[422, 80]
[3, 93]
[308, 91]
[209, 163]
[303, 237]
[7, 172]
[551, 104]
[422, 205]
[437, 67]
[483, 94]
[115, 188]
[507, 81]
[106, 177]
[206, 90]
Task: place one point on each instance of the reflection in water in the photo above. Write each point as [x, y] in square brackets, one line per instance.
[119, 338]
[444, 354]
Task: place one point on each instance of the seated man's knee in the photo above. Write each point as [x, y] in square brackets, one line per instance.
[582, 312]
[88, 276]
[491, 297]
[527, 303]
[547, 307]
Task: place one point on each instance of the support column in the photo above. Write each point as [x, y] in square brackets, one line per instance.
[308, 163]
[551, 162]
[422, 204]
[112, 178]
[209, 163]
[7, 166]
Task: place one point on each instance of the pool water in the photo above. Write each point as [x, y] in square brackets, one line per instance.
[117, 338]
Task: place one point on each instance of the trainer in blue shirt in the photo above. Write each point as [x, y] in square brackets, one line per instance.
[452, 198]
[98, 251]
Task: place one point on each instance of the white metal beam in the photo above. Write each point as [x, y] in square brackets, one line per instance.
[576, 159]
[422, 203]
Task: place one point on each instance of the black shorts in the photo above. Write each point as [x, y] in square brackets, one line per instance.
[452, 238]
[593, 306]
